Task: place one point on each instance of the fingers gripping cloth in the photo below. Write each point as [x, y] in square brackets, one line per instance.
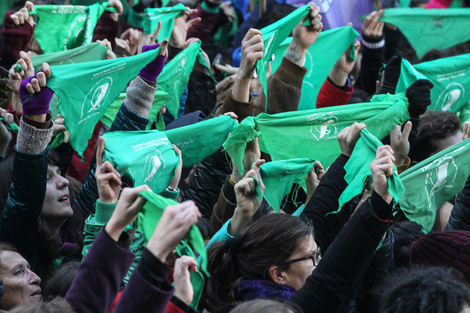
[35, 104]
[154, 68]
[419, 97]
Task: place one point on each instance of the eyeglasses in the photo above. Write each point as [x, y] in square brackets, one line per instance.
[315, 257]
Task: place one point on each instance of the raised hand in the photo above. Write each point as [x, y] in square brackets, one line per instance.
[381, 168]
[126, 211]
[172, 228]
[182, 278]
[399, 142]
[304, 36]
[349, 136]
[107, 177]
[248, 200]
[180, 30]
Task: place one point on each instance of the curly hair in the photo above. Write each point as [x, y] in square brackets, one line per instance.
[425, 290]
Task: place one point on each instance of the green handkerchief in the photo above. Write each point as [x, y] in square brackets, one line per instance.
[152, 212]
[85, 91]
[279, 176]
[273, 36]
[145, 156]
[358, 169]
[433, 181]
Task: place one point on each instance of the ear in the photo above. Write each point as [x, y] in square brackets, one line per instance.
[277, 275]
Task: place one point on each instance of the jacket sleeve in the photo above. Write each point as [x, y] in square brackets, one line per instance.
[372, 59]
[332, 95]
[15, 39]
[283, 89]
[20, 218]
[207, 181]
[148, 289]
[325, 200]
[241, 109]
[381, 265]
[225, 206]
[19, 222]
[344, 264]
[107, 28]
[99, 276]
[460, 216]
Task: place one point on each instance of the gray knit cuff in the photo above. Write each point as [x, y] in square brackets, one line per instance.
[31, 139]
[139, 97]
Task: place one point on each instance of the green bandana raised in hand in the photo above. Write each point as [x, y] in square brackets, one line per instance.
[91, 52]
[200, 140]
[312, 134]
[428, 29]
[145, 156]
[86, 90]
[358, 169]
[175, 76]
[63, 27]
[450, 76]
[166, 16]
[279, 176]
[273, 36]
[320, 59]
[433, 181]
[152, 212]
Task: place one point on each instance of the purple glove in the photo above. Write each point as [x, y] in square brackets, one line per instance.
[151, 71]
[35, 104]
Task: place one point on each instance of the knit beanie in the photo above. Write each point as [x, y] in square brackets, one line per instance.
[447, 249]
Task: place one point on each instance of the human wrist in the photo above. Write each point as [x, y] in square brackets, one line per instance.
[158, 250]
[338, 77]
[241, 89]
[113, 230]
[296, 53]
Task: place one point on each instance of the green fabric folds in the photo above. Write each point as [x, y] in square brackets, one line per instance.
[312, 134]
[200, 140]
[63, 27]
[451, 79]
[358, 170]
[110, 114]
[273, 36]
[145, 156]
[152, 212]
[428, 29]
[91, 52]
[320, 59]
[175, 76]
[86, 90]
[279, 176]
[433, 181]
[166, 16]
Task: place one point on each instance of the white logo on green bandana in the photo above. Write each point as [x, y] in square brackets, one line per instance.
[443, 176]
[95, 98]
[450, 96]
[152, 165]
[325, 126]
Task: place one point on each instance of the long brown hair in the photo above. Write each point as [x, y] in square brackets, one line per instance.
[269, 241]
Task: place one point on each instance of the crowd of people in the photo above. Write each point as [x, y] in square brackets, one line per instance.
[71, 234]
